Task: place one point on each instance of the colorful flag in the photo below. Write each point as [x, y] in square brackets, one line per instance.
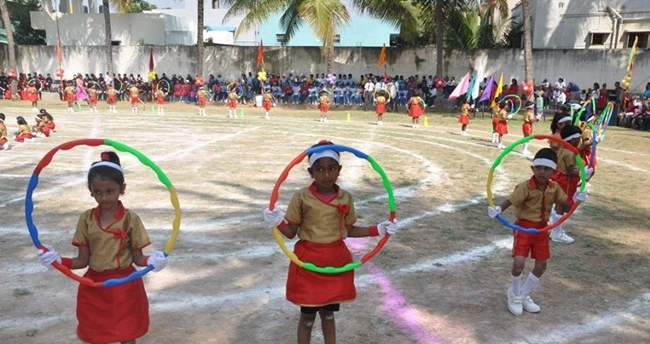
[260, 55]
[498, 91]
[59, 55]
[382, 56]
[487, 92]
[461, 88]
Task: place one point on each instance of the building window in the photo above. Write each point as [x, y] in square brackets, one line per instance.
[598, 38]
[337, 39]
[281, 39]
[643, 39]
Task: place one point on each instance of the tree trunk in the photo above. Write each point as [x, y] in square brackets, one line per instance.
[108, 36]
[528, 44]
[10, 35]
[199, 39]
[440, 35]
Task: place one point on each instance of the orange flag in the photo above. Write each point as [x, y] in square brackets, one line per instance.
[59, 55]
[260, 55]
[382, 56]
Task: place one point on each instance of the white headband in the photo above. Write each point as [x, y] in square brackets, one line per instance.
[591, 119]
[545, 162]
[109, 164]
[574, 136]
[564, 119]
[328, 153]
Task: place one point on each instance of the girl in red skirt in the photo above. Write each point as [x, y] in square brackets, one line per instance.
[48, 119]
[527, 127]
[502, 124]
[232, 103]
[464, 117]
[201, 96]
[92, 98]
[110, 239]
[32, 94]
[325, 101]
[322, 215]
[24, 131]
[160, 99]
[415, 105]
[267, 103]
[112, 98]
[69, 96]
[381, 100]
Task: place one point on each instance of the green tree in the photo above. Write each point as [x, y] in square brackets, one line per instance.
[122, 6]
[528, 44]
[22, 24]
[138, 6]
[10, 34]
[324, 17]
[199, 38]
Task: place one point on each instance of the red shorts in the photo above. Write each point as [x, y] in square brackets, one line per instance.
[201, 102]
[232, 103]
[464, 119]
[267, 105]
[108, 315]
[69, 98]
[51, 125]
[46, 131]
[134, 100]
[494, 125]
[93, 100]
[502, 127]
[381, 108]
[23, 137]
[527, 128]
[312, 289]
[568, 184]
[33, 97]
[112, 100]
[324, 108]
[161, 100]
[535, 245]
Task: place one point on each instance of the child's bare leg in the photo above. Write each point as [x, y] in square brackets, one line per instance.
[540, 267]
[305, 324]
[328, 323]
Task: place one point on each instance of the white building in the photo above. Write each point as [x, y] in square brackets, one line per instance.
[588, 24]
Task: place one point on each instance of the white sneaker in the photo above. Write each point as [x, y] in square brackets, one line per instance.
[529, 305]
[514, 303]
[380, 123]
[321, 119]
[562, 237]
[325, 119]
[500, 146]
[526, 153]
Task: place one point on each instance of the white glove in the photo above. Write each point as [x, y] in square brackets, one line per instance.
[494, 211]
[580, 196]
[555, 217]
[387, 227]
[273, 218]
[539, 117]
[589, 171]
[49, 257]
[158, 260]
[599, 138]
[510, 116]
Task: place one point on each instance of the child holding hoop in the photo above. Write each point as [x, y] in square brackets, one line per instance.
[33, 96]
[267, 103]
[160, 100]
[201, 96]
[533, 199]
[321, 215]
[69, 96]
[381, 99]
[134, 92]
[464, 117]
[112, 98]
[415, 105]
[324, 101]
[502, 124]
[92, 98]
[232, 103]
[110, 239]
[567, 177]
[527, 126]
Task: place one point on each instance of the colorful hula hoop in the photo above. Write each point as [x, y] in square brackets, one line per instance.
[509, 149]
[378, 89]
[592, 156]
[166, 83]
[121, 85]
[367, 256]
[29, 207]
[236, 85]
[515, 97]
[32, 80]
[100, 89]
[605, 116]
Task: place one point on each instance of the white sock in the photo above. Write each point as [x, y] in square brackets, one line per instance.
[529, 285]
[516, 284]
[525, 147]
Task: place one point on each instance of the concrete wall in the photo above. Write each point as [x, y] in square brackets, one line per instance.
[579, 66]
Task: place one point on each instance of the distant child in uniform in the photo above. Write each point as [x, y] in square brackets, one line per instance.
[70, 96]
[33, 96]
[527, 126]
[110, 239]
[160, 99]
[24, 131]
[201, 96]
[322, 216]
[134, 91]
[40, 129]
[415, 105]
[48, 120]
[4, 141]
[232, 103]
[324, 102]
[381, 100]
[464, 117]
[560, 120]
[111, 99]
[567, 177]
[267, 103]
[587, 142]
[533, 200]
[92, 98]
[502, 124]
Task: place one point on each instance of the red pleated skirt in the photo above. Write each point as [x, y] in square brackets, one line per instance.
[463, 119]
[311, 289]
[502, 127]
[113, 314]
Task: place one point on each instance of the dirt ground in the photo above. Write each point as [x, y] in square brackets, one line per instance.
[442, 279]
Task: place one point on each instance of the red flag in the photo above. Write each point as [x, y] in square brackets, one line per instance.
[59, 55]
[260, 55]
[150, 59]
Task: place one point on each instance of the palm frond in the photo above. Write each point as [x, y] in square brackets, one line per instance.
[324, 17]
[257, 11]
[400, 13]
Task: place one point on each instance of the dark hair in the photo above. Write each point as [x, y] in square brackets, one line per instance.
[20, 120]
[570, 130]
[106, 172]
[2, 117]
[546, 153]
[556, 119]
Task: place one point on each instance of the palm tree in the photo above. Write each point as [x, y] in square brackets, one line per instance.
[324, 17]
[199, 38]
[10, 34]
[528, 44]
[122, 7]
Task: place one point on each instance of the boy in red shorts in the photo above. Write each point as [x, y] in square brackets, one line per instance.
[533, 199]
